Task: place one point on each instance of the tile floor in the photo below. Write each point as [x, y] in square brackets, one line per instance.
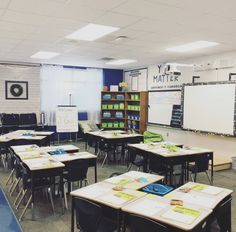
[45, 221]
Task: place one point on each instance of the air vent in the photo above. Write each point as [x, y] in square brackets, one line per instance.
[106, 59]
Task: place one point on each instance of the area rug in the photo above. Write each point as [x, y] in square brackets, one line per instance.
[8, 220]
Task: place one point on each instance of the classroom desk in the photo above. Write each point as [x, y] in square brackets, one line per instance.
[215, 198]
[103, 193]
[39, 137]
[159, 209]
[43, 167]
[195, 215]
[114, 137]
[181, 156]
[33, 151]
[134, 180]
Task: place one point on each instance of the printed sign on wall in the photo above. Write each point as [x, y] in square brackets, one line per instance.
[136, 79]
[160, 77]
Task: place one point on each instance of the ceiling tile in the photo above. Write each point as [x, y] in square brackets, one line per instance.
[4, 3]
[117, 20]
[24, 18]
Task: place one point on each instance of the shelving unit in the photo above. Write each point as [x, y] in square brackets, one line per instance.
[113, 110]
[136, 111]
[124, 110]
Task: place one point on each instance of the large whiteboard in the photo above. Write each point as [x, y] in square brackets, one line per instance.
[161, 106]
[67, 119]
[209, 108]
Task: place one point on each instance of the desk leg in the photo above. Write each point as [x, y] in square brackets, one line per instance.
[119, 221]
[72, 214]
[32, 194]
[95, 172]
[212, 168]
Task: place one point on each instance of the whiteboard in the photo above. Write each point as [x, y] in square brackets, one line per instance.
[209, 108]
[161, 106]
[67, 119]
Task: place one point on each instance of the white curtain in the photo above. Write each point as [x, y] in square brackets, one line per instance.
[84, 86]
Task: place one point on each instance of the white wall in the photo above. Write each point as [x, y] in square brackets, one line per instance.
[20, 73]
[222, 146]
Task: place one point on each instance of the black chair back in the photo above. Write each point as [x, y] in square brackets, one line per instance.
[88, 215]
[201, 163]
[10, 119]
[141, 224]
[28, 119]
[156, 164]
[132, 155]
[77, 170]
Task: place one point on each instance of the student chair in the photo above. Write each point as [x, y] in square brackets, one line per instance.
[75, 171]
[201, 164]
[135, 159]
[89, 217]
[28, 121]
[141, 224]
[42, 182]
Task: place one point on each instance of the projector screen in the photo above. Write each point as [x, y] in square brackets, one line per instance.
[161, 106]
[209, 108]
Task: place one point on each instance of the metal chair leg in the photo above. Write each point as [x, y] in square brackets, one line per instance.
[208, 177]
[10, 176]
[21, 199]
[24, 210]
[65, 197]
[15, 186]
[105, 158]
[18, 196]
[50, 196]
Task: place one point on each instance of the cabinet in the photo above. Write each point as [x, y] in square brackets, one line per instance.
[124, 110]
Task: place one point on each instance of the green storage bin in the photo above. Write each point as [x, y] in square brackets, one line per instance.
[132, 96]
[136, 97]
[104, 107]
[109, 124]
[116, 124]
[104, 125]
[116, 106]
[137, 108]
[110, 107]
[121, 125]
[122, 106]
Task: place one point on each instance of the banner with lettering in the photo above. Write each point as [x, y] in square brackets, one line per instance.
[160, 78]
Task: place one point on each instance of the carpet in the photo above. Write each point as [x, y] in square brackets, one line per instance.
[8, 220]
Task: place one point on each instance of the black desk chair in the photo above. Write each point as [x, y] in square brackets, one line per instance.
[75, 170]
[141, 224]
[201, 164]
[135, 159]
[89, 217]
[44, 181]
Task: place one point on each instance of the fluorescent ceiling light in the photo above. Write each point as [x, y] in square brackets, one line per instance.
[92, 32]
[121, 61]
[44, 55]
[192, 46]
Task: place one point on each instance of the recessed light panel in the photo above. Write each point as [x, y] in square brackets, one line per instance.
[92, 32]
[44, 55]
[121, 61]
[192, 46]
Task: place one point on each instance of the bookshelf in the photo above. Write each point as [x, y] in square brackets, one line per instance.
[124, 110]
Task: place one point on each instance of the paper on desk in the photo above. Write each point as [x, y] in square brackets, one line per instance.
[94, 191]
[199, 200]
[119, 180]
[136, 175]
[117, 198]
[182, 214]
[207, 189]
[148, 207]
